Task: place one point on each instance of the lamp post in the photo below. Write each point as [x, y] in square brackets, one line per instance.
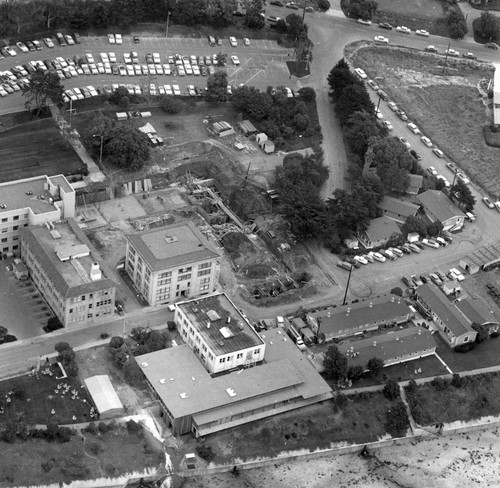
[166, 27]
[100, 152]
[347, 286]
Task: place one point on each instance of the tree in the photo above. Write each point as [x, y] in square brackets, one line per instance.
[116, 342]
[483, 333]
[3, 332]
[53, 324]
[457, 26]
[461, 192]
[434, 228]
[397, 421]
[323, 5]
[171, 105]
[219, 13]
[375, 367]
[355, 373]
[43, 87]
[397, 291]
[253, 19]
[255, 103]
[354, 98]
[126, 147]
[359, 130]
[335, 364]
[217, 87]
[340, 77]
[293, 25]
[361, 9]
[391, 390]
[414, 224]
[67, 358]
[221, 60]
[347, 213]
[486, 26]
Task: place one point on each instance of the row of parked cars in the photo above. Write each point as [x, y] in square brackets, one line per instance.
[438, 278]
[37, 45]
[393, 253]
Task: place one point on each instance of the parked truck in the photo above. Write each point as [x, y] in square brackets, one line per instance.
[295, 335]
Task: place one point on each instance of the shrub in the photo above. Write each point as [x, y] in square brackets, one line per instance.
[48, 465]
[457, 381]
[205, 452]
[134, 427]
[391, 390]
[308, 94]
[439, 383]
[64, 434]
[95, 447]
[53, 324]
[116, 342]
[104, 335]
[323, 5]
[103, 428]
[171, 105]
[171, 325]
[124, 102]
[468, 346]
[91, 428]
[397, 421]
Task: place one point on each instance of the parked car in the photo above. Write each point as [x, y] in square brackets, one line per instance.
[364, 22]
[360, 259]
[455, 274]
[407, 281]
[438, 152]
[415, 155]
[378, 257]
[491, 45]
[118, 39]
[382, 94]
[402, 115]
[22, 47]
[451, 167]
[360, 73]
[344, 265]
[69, 40]
[452, 52]
[233, 41]
[416, 279]
[403, 29]
[381, 39]
[246, 41]
[432, 170]
[422, 32]
[442, 241]
[414, 248]
[235, 60]
[388, 125]
[405, 142]
[435, 279]
[426, 141]
[430, 243]
[48, 42]
[373, 85]
[393, 106]
[413, 128]
[461, 177]
[431, 49]
[385, 25]
[488, 202]
[469, 55]
[497, 205]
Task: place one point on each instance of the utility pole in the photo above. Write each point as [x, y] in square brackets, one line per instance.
[446, 57]
[166, 27]
[100, 151]
[347, 286]
[246, 176]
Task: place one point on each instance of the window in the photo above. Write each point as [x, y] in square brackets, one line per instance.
[466, 339]
[184, 270]
[4, 239]
[4, 231]
[165, 274]
[204, 287]
[204, 272]
[239, 355]
[16, 217]
[257, 351]
[83, 297]
[5, 219]
[222, 360]
[184, 277]
[205, 266]
[16, 227]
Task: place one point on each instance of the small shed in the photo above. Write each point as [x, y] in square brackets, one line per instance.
[247, 127]
[268, 146]
[260, 138]
[222, 128]
[20, 270]
[147, 129]
[104, 396]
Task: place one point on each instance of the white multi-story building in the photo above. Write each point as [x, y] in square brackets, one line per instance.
[65, 268]
[218, 333]
[171, 262]
[32, 202]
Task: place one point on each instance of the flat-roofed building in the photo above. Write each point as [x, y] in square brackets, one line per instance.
[356, 318]
[218, 333]
[394, 347]
[453, 327]
[69, 274]
[192, 400]
[171, 262]
[31, 202]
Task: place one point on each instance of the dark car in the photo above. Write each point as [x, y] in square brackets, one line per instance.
[77, 38]
[402, 115]
[385, 25]
[30, 46]
[415, 155]
[491, 45]
[136, 40]
[407, 281]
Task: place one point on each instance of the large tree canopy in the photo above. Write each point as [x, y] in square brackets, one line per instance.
[217, 87]
[126, 147]
[44, 87]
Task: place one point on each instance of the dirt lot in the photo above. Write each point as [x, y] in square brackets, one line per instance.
[448, 109]
[446, 462]
[34, 149]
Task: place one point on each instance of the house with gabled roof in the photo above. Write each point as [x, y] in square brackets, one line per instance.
[477, 311]
[397, 209]
[453, 327]
[379, 232]
[438, 207]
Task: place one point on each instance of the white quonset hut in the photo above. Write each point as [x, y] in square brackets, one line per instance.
[104, 396]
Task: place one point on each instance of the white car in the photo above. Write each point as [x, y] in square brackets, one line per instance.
[112, 57]
[130, 69]
[122, 70]
[176, 89]
[92, 90]
[168, 90]
[137, 90]
[196, 70]
[22, 47]
[387, 124]
[104, 57]
[444, 180]
[452, 52]
[111, 39]
[403, 29]
[235, 60]
[246, 41]
[463, 178]
[413, 128]
[90, 58]
[11, 51]
[497, 205]
[438, 152]
[455, 274]
[488, 203]
[78, 93]
[426, 141]
[373, 85]
[405, 143]
[379, 114]
[378, 257]
[156, 58]
[188, 69]
[233, 41]
[127, 58]
[422, 32]
[382, 39]
[191, 91]
[118, 39]
[152, 89]
[432, 170]
[364, 22]
[69, 40]
[393, 106]
[360, 73]
[48, 42]
[360, 259]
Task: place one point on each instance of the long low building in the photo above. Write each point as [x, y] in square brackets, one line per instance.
[395, 347]
[356, 318]
[192, 400]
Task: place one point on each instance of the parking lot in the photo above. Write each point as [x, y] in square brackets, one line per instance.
[262, 63]
[24, 311]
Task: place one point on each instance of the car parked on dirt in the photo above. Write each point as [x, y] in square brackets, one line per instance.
[403, 29]
[385, 25]
[381, 39]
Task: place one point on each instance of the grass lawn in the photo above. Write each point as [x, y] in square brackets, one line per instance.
[33, 149]
[478, 397]
[359, 420]
[43, 396]
[484, 355]
[420, 9]
[114, 453]
[448, 109]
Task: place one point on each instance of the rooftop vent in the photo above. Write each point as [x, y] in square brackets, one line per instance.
[183, 395]
[213, 315]
[230, 392]
[170, 239]
[144, 365]
[193, 378]
[226, 332]
[374, 343]
[163, 381]
[228, 320]
[208, 325]
[371, 304]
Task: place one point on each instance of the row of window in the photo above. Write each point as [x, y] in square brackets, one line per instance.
[6, 239]
[14, 218]
[14, 229]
